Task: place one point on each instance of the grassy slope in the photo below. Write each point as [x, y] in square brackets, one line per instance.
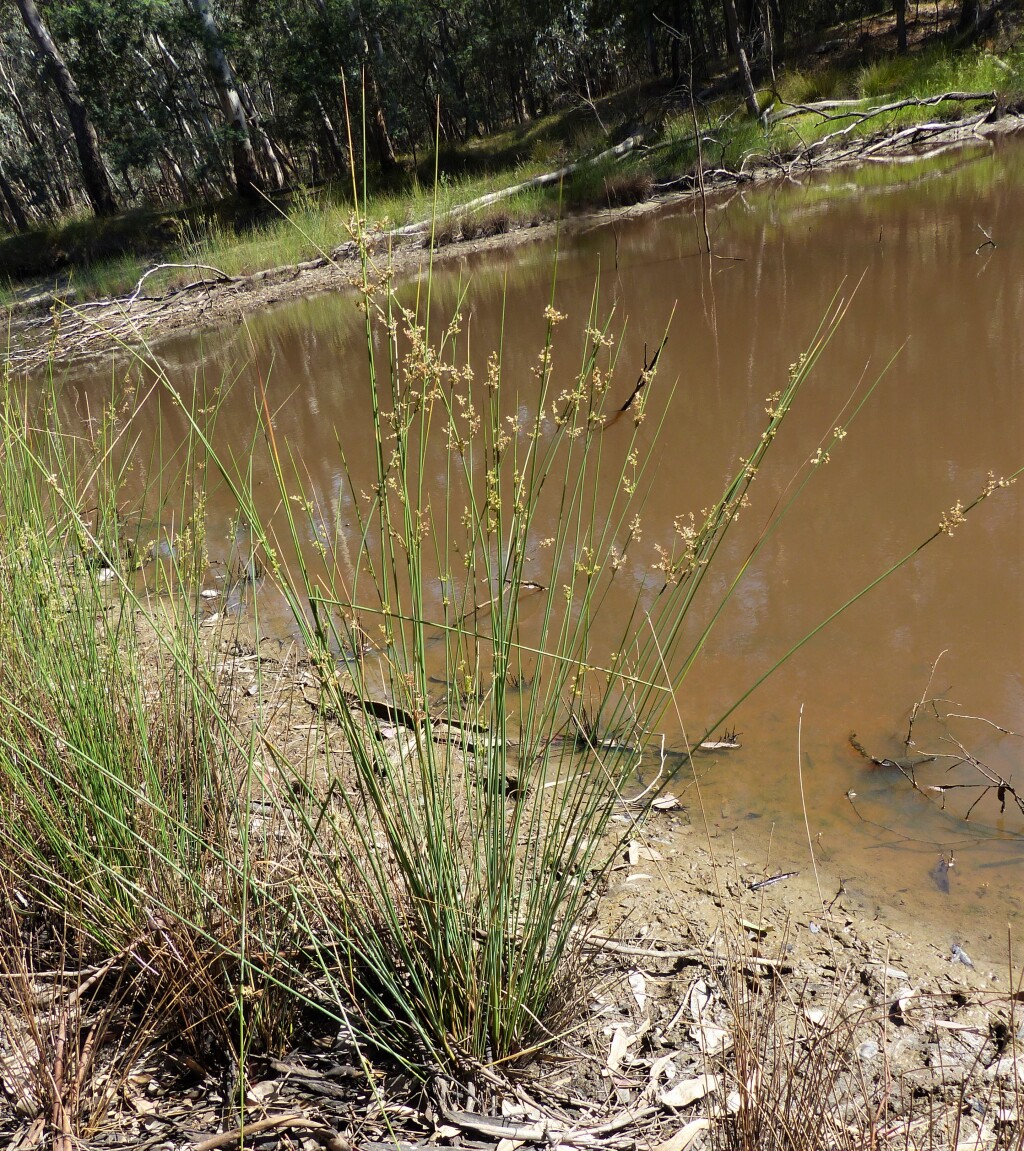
[108, 257]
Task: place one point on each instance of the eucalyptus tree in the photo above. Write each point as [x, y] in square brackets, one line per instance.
[94, 172]
[248, 181]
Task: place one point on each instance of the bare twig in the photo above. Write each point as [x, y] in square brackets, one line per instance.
[986, 243]
[834, 109]
[295, 1120]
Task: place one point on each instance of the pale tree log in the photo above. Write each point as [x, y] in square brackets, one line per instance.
[94, 172]
[247, 176]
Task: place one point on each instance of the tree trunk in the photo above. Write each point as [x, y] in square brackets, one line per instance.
[970, 15]
[247, 176]
[675, 54]
[10, 198]
[742, 63]
[338, 160]
[651, 46]
[385, 147]
[94, 172]
[901, 26]
[198, 110]
[272, 163]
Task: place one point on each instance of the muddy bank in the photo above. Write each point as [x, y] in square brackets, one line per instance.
[42, 325]
[723, 998]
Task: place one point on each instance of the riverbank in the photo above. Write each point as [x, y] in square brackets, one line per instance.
[248, 902]
[42, 326]
[847, 96]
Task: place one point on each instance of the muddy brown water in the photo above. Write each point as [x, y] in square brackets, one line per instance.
[929, 292]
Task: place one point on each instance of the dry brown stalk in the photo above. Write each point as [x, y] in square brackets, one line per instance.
[295, 1120]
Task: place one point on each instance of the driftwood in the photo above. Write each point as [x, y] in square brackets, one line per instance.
[220, 278]
[906, 138]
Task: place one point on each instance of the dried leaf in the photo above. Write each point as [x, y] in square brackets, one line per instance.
[261, 1092]
[665, 803]
[684, 1137]
[690, 1090]
[712, 1040]
[618, 1048]
[648, 854]
[663, 1066]
[698, 1000]
[757, 928]
[638, 985]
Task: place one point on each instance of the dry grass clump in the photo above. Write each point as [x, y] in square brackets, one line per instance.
[445, 231]
[628, 188]
[796, 1081]
[495, 222]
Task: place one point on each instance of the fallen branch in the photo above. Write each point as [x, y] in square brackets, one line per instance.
[545, 1130]
[819, 106]
[600, 943]
[296, 1120]
[864, 150]
[222, 278]
[542, 181]
[826, 108]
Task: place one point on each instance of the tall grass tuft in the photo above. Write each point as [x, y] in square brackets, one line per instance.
[477, 739]
[120, 766]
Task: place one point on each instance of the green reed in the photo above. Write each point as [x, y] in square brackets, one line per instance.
[467, 837]
[120, 766]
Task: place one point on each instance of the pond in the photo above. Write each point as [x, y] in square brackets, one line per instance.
[931, 255]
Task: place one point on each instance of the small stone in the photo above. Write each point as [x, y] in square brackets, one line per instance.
[960, 956]
[1006, 1068]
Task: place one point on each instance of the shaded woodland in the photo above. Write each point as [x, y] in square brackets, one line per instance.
[107, 105]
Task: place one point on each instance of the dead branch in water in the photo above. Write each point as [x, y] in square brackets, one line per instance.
[978, 779]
